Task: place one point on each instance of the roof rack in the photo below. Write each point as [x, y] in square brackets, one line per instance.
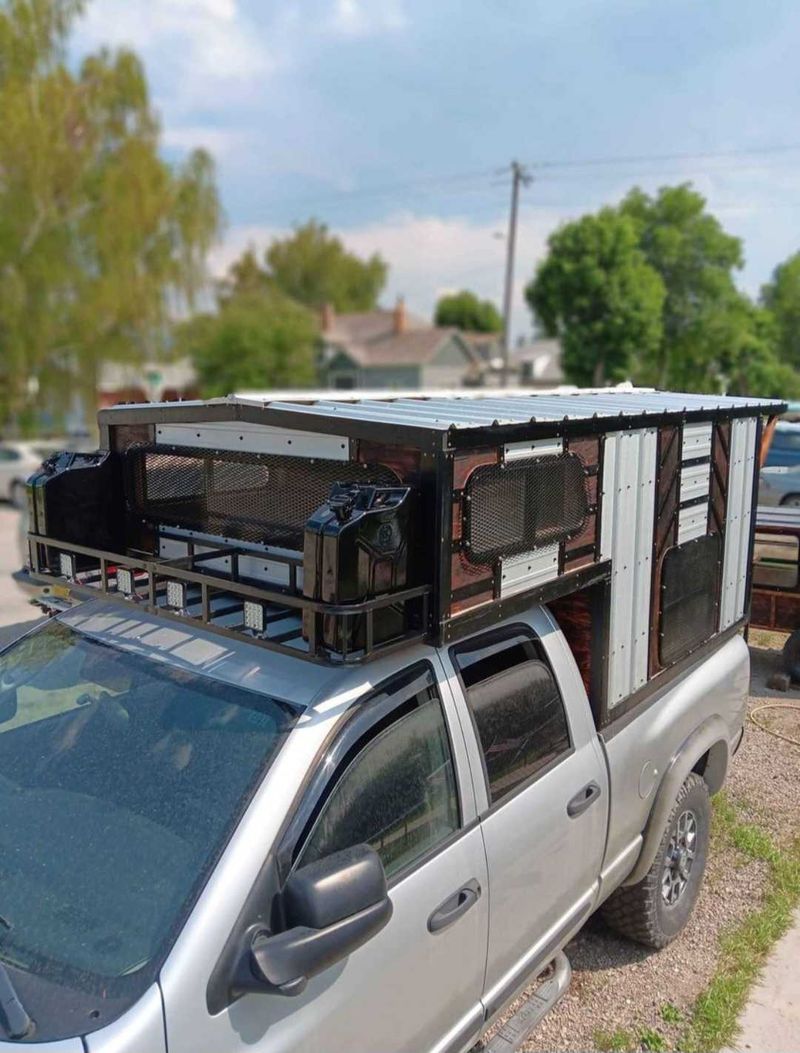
[277, 619]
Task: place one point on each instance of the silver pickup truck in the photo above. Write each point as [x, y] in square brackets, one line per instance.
[207, 849]
[350, 714]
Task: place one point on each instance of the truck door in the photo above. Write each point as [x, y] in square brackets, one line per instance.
[398, 779]
[542, 792]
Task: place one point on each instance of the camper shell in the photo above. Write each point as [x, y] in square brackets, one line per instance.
[333, 529]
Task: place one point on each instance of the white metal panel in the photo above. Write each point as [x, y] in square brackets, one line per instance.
[529, 570]
[692, 522]
[258, 567]
[626, 538]
[696, 440]
[695, 481]
[517, 451]
[738, 519]
[253, 438]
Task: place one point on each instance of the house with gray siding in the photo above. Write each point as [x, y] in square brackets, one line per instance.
[394, 349]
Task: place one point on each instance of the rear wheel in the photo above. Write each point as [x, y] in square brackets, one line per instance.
[658, 907]
[791, 501]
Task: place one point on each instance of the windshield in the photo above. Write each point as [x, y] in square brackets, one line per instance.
[120, 779]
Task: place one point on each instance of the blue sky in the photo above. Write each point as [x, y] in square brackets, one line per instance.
[390, 119]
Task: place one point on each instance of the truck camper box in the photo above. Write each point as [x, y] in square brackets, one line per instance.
[336, 528]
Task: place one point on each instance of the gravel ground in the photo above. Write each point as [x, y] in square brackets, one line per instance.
[619, 985]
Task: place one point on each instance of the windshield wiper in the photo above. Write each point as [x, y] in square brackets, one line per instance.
[17, 1021]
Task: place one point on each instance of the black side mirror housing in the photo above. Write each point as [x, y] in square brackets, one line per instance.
[332, 907]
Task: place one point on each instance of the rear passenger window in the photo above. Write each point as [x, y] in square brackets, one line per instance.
[517, 709]
[398, 793]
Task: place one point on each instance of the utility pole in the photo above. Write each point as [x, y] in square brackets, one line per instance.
[519, 176]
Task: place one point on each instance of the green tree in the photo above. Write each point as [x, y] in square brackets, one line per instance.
[246, 277]
[313, 267]
[597, 293]
[465, 311]
[749, 364]
[782, 298]
[695, 258]
[255, 342]
[100, 240]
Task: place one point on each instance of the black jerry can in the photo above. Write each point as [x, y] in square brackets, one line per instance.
[357, 546]
[75, 496]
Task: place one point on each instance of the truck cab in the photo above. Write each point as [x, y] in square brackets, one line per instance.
[305, 824]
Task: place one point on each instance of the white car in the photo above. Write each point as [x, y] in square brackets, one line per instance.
[18, 460]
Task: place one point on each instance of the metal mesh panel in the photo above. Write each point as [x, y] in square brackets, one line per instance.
[517, 507]
[689, 591]
[265, 499]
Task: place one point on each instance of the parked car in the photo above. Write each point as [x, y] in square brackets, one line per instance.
[361, 711]
[784, 450]
[779, 485]
[18, 460]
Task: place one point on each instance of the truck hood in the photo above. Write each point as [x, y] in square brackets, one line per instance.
[140, 1030]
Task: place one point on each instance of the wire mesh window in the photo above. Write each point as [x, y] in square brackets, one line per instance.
[689, 597]
[265, 499]
[516, 508]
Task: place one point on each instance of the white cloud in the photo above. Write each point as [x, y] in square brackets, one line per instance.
[429, 256]
[220, 142]
[360, 18]
[210, 49]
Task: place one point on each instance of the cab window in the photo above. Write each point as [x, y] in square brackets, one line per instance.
[516, 707]
[396, 790]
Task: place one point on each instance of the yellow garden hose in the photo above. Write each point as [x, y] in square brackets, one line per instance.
[770, 731]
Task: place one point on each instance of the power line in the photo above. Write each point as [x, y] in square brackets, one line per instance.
[487, 178]
[705, 155]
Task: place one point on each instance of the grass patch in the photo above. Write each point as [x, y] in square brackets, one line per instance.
[614, 1041]
[622, 1041]
[670, 1013]
[745, 948]
[652, 1040]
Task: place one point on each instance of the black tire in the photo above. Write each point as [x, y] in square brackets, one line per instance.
[642, 911]
[791, 655]
[791, 501]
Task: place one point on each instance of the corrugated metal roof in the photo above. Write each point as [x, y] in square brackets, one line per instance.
[445, 411]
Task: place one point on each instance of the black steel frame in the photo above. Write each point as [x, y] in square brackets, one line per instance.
[211, 584]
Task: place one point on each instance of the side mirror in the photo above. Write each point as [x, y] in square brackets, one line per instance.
[332, 907]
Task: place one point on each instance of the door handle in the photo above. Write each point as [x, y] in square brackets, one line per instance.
[454, 906]
[582, 799]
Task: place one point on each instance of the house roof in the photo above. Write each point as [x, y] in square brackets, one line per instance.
[362, 327]
[371, 338]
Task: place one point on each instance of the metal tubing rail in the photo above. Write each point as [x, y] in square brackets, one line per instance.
[213, 582]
